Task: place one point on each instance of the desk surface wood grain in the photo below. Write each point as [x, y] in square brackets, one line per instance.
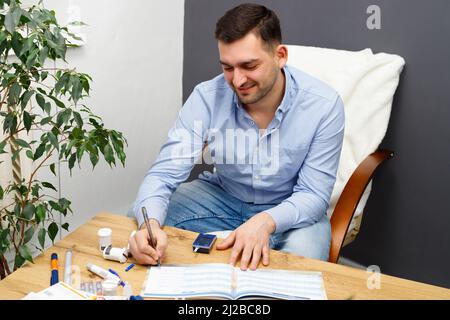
[341, 282]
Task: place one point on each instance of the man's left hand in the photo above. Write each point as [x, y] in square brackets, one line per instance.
[251, 240]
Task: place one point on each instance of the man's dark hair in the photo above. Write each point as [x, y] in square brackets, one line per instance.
[247, 17]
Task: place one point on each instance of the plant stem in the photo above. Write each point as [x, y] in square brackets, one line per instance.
[2, 269]
[11, 135]
[5, 265]
[4, 97]
[9, 205]
[22, 231]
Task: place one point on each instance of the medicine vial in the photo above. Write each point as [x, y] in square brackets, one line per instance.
[115, 254]
[105, 238]
[109, 287]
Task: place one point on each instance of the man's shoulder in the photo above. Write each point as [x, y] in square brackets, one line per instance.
[217, 84]
[312, 86]
[215, 95]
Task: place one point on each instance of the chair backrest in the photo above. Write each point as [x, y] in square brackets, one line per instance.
[366, 83]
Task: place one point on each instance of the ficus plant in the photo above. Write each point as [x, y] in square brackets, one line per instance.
[45, 122]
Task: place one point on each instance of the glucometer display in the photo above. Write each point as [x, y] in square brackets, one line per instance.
[203, 243]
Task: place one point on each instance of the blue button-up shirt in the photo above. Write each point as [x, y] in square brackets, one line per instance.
[292, 164]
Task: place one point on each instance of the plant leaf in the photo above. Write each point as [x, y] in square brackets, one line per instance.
[94, 159]
[28, 234]
[61, 83]
[52, 168]
[10, 123]
[18, 261]
[25, 253]
[109, 154]
[53, 140]
[26, 97]
[46, 120]
[35, 190]
[58, 102]
[39, 151]
[2, 147]
[43, 56]
[14, 93]
[53, 231]
[47, 107]
[29, 154]
[48, 185]
[72, 159]
[41, 237]
[23, 143]
[28, 211]
[12, 19]
[27, 120]
[40, 213]
[40, 100]
[63, 117]
[78, 119]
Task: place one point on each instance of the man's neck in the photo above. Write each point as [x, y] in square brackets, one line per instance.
[264, 111]
[269, 104]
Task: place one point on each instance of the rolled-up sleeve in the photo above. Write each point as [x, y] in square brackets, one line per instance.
[175, 160]
[311, 194]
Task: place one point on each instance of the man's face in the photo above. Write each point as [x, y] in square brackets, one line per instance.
[250, 68]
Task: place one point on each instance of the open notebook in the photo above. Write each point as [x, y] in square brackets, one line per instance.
[223, 281]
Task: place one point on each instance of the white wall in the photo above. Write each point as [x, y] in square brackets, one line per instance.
[134, 52]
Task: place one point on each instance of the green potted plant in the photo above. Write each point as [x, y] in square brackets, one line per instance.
[45, 122]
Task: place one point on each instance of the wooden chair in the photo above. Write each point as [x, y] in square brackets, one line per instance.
[350, 197]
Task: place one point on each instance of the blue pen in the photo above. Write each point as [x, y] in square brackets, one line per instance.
[116, 274]
[129, 267]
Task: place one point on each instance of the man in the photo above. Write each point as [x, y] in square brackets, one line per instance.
[274, 201]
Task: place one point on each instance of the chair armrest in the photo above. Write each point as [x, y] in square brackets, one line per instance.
[349, 199]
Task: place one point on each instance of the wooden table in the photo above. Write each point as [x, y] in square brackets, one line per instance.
[341, 282]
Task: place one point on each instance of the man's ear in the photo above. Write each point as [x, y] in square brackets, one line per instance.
[282, 55]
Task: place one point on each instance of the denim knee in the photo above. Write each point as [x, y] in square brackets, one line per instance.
[312, 242]
[202, 207]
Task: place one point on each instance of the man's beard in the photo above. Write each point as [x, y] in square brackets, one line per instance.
[259, 94]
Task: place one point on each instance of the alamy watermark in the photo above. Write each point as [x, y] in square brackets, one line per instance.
[228, 146]
[373, 21]
[374, 278]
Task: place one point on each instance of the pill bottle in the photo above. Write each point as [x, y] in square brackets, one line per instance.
[104, 238]
[109, 287]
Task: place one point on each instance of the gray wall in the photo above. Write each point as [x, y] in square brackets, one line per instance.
[406, 223]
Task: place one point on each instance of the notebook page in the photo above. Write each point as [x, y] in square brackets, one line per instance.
[287, 284]
[189, 281]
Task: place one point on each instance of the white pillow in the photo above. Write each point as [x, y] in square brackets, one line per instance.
[366, 83]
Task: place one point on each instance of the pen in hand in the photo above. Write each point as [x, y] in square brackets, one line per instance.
[149, 230]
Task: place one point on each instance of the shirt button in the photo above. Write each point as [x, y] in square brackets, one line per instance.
[256, 177]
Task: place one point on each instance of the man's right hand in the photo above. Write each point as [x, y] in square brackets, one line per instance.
[140, 244]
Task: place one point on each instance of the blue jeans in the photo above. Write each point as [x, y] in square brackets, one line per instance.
[203, 207]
